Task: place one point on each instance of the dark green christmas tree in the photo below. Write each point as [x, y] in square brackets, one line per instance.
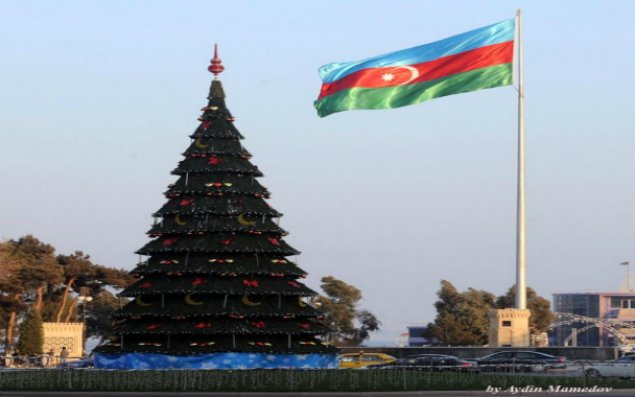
[218, 277]
[31, 334]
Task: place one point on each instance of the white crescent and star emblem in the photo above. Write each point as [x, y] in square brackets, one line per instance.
[389, 76]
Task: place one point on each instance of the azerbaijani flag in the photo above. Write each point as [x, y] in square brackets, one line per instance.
[470, 61]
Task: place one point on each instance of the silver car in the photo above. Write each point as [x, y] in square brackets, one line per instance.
[623, 367]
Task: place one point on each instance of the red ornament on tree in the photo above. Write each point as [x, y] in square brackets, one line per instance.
[199, 281]
[258, 324]
[294, 284]
[168, 241]
[147, 284]
[203, 325]
[153, 326]
[273, 240]
[186, 202]
[214, 160]
[226, 242]
[251, 283]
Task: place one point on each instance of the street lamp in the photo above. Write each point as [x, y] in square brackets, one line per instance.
[84, 298]
[628, 275]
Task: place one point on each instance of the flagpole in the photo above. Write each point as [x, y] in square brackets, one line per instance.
[521, 282]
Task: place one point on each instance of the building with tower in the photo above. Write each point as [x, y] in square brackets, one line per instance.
[217, 287]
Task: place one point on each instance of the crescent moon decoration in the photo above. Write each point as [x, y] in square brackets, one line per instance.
[301, 303]
[190, 301]
[245, 301]
[245, 222]
[141, 303]
[200, 144]
[414, 73]
[179, 221]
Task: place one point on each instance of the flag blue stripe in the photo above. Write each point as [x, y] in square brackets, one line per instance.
[492, 34]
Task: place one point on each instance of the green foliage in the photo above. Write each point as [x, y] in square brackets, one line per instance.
[34, 276]
[99, 317]
[350, 325]
[78, 267]
[38, 266]
[9, 281]
[31, 334]
[462, 318]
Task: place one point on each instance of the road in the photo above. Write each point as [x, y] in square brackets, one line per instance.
[614, 393]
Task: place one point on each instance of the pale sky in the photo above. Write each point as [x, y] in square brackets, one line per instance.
[98, 99]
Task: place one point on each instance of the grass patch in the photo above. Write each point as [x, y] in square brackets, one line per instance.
[279, 380]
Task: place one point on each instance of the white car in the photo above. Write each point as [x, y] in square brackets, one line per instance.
[623, 367]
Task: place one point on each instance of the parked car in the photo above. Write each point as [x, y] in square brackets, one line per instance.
[430, 362]
[428, 355]
[520, 361]
[362, 360]
[623, 367]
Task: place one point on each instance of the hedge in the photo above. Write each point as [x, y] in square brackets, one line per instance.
[278, 380]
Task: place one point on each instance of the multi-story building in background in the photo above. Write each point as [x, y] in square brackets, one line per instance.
[416, 336]
[604, 306]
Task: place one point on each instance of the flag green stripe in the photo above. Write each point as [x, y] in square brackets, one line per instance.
[410, 94]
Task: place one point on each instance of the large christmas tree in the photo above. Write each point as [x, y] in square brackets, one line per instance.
[217, 289]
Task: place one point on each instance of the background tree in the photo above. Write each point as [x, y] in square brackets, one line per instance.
[480, 303]
[79, 271]
[32, 276]
[99, 317]
[10, 292]
[28, 268]
[541, 315]
[351, 326]
[368, 323]
[461, 317]
[31, 334]
[38, 269]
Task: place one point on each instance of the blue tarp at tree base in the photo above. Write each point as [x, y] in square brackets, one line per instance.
[213, 361]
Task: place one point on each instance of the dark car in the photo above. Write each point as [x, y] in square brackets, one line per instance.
[430, 362]
[429, 355]
[520, 361]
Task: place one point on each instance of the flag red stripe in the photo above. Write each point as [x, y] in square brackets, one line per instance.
[482, 57]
